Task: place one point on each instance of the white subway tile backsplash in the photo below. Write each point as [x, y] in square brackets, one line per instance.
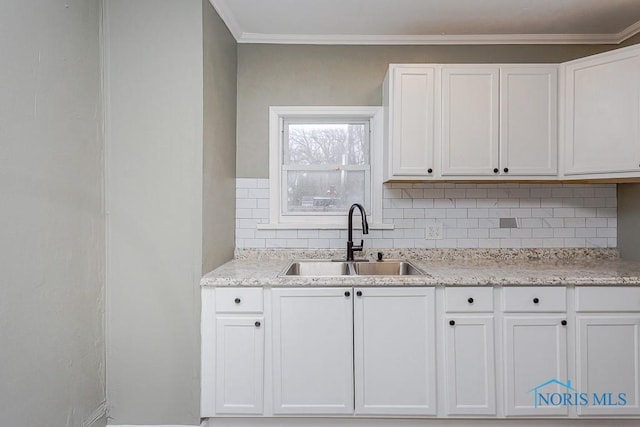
[548, 215]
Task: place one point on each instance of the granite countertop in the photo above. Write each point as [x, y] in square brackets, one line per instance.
[442, 267]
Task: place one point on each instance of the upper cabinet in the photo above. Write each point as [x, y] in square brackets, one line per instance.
[470, 120]
[409, 100]
[481, 121]
[602, 115]
[529, 120]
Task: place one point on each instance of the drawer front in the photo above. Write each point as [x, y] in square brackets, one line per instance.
[239, 300]
[468, 299]
[608, 298]
[535, 299]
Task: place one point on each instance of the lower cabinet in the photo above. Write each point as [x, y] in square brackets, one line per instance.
[394, 351]
[240, 361]
[312, 351]
[470, 365]
[371, 351]
[535, 364]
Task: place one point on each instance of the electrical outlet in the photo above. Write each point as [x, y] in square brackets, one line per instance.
[435, 231]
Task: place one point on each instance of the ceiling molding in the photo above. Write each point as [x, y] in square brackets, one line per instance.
[479, 39]
[228, 17]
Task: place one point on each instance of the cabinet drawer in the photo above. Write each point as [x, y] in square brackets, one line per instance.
[239, 300]
[468, 299]
[607, 298]
[534, 299]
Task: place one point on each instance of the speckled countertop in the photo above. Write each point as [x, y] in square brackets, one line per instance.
[448, 267]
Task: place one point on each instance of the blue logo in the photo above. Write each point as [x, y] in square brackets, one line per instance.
[569, 396]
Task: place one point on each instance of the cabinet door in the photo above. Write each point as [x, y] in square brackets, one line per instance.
[536, 364]
[312, 351]
[470, 365]
[239, 363]
[394, 351]
[528, 120]
[608, 364]
[412, 126]
[602, 124]
[470, 120]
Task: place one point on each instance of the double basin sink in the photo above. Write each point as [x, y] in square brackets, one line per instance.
[332, 268]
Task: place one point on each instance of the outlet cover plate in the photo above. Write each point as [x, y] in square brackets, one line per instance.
[435, 231]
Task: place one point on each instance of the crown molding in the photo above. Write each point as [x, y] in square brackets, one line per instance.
[228, 17]
[479, 39]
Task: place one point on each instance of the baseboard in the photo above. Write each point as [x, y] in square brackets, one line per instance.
[96, 416]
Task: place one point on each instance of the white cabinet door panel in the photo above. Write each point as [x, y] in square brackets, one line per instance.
[470, 365]
[602, 123]
[535, 353]
[609, 362]
[239, 364]
[394, 351]
[412, 105]
[312, 351]
[529, 120]
[470, 120]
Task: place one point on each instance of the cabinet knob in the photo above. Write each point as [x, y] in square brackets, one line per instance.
[495, 170]
[347, 294]
[470, 300]
[430, 170]
[505, 170]
[452, 322]
[359, 293]
[564, 323]
[257, 324]
[237, 300]
[536, 300]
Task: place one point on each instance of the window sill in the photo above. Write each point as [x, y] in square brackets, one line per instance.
[307, 226]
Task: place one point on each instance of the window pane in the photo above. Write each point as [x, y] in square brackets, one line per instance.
[327, 143]
[335, 191]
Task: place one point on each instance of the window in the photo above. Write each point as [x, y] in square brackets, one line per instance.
[322, 160]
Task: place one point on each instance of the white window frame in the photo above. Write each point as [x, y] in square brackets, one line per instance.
[277, 115]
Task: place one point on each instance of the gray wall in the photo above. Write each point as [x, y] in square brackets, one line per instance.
[220, 81]
[52, 362]
[629, 220]
[345, 75]
[154, 169]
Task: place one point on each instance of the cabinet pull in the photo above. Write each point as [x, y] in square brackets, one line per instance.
[257, 324]
[470, 300]
[429, 170]
[452, 322]
[506, 170]
[359, 293]
[564, 323]
[536, 300]
[495, 170]
[347, 294]
[237, 300]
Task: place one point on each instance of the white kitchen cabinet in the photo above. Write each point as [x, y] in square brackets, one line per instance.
[312, 351]
[470, 365]
[409, 101]
[240, 362]
[394, 351]
[602, 114]
[535, 349]
[528, 120]
[470, 120]
[608, 347]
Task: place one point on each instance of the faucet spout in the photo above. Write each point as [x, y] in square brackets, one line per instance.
[351, 248]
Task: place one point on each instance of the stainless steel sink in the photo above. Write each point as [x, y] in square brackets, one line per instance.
[317, 268]
[328, 268]
[387, 268]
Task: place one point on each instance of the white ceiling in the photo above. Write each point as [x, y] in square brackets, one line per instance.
[430, 21]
